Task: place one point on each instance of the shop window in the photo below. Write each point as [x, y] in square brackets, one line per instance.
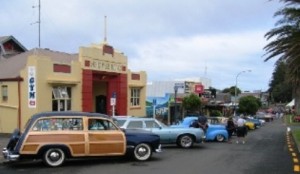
[61, 98]
[135, 96]
[4, 92]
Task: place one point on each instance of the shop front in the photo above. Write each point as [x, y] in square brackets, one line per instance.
[94, 80]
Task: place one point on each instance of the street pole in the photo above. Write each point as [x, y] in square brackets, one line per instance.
[235, 89]
[175, 104]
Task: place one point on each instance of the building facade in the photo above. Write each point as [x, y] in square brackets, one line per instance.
[97, 79]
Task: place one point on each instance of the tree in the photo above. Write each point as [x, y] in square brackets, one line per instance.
[249, 105]
[280, 89]
[192, 103]
[286, 44]
[231, 90]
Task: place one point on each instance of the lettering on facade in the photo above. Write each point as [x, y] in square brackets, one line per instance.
[105, 66]
[31, 87]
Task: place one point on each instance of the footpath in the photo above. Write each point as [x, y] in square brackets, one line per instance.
[3, 142]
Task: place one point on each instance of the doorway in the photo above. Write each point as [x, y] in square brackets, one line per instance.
[101, 104]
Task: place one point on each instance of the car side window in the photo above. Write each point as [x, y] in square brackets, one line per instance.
[96, 124]
[151, 124]
[99, 124]
[54, 124]
[135, 124]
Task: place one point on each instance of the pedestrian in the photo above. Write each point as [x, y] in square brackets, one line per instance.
[231, 128]
[202, 120]
[241, 130]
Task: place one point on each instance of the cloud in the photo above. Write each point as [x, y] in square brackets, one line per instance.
[219, 57]
[169, 39]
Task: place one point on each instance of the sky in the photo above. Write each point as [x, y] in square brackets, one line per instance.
[169, 39]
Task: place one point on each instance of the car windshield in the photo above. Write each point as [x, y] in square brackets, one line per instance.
[120, 122]
[161, 123]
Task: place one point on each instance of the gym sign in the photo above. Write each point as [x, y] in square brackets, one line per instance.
[31, 87]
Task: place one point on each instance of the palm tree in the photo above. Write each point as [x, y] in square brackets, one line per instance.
[286, 44]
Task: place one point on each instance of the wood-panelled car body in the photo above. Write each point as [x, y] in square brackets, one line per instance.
[55, 136]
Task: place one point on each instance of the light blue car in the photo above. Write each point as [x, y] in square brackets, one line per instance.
[182, 137]
[215, 132]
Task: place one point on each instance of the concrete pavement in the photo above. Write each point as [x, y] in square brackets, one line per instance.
[3, 142]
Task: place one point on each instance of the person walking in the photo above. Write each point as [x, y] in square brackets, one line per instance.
[241, 131]
[230, 128]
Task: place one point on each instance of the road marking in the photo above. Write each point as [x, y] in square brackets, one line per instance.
[293, 154]
[291, 149]
[295, 160]
[296, 168]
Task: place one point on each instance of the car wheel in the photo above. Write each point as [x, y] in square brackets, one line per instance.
[54, 157]
[185, 141]
[142, 152]
[220, 138]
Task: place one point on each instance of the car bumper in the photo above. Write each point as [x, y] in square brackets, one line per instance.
[158, 150]
[9, 156]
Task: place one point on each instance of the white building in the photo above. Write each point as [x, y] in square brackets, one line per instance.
[160, 88]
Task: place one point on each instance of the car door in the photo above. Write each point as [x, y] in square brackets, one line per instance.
[154, 127]
[104, 138]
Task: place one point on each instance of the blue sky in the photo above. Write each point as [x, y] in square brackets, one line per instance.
[169, 39]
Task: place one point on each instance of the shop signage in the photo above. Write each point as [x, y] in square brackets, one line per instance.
[31, 87]
[199, 88]
[105, 66]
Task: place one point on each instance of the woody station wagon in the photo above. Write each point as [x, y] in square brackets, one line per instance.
[55, 136]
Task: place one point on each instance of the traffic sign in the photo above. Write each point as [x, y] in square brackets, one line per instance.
[179, 85]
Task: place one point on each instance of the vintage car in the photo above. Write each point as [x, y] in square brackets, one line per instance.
[256, 122]
[183, 137]
[55, 136]
[215, 131]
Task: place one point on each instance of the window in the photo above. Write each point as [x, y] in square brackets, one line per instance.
[135, 96]
[98, 124]
[135, 124]
[61, 98]
[54, 124]
[151, 124]
[4, 92]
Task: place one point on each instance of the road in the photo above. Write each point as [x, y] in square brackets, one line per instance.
[265, 151]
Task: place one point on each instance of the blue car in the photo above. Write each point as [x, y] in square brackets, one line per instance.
[215, 132]
[257, 123]
[182, 137]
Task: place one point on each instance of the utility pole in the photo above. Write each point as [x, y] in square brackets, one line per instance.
[38, 22]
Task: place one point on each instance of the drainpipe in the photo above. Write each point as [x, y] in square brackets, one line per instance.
[19, 103]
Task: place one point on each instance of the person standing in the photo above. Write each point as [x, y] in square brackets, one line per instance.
[230, 128]
[241, 131]
[202, 120]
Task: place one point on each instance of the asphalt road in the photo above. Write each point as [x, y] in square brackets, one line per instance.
[265, 151]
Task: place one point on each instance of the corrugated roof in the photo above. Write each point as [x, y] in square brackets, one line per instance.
[7, 38]
[3, 38]
[10, 68]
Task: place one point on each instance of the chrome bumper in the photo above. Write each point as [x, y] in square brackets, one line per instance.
[158, 150]
[9, 156]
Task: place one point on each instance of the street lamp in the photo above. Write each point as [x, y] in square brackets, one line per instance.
[235, 88]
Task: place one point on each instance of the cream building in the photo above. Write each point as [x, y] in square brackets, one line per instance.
[95, 80]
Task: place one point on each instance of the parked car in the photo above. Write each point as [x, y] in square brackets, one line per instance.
[257, 123]
[249, 125]
[215, 131]
[55, 136]
[183, 137]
